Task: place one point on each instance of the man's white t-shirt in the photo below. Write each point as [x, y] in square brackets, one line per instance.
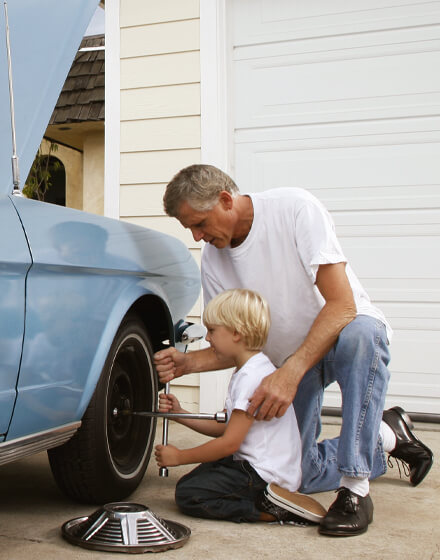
[273, 448]
[292, 234]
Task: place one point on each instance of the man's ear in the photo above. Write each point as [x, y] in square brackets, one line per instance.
[226, 200]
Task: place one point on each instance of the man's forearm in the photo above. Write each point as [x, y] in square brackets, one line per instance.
[205, 360]
[320, 339]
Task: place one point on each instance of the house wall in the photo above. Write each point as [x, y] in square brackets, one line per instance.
[93, 173]
[84, 172]
[73, 166]
[160, 119]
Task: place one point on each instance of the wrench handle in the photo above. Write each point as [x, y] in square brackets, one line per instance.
[163, 471]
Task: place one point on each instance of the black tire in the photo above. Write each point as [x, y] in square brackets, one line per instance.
[106, 459]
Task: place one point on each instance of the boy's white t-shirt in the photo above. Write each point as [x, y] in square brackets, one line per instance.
[273, 448]
[292, 234]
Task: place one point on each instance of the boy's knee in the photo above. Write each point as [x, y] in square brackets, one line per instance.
[184, 492]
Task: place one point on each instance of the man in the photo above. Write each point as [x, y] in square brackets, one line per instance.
[282, 244]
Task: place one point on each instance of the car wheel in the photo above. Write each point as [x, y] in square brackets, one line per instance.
[106, 459]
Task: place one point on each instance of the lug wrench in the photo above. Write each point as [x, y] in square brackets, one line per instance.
[187, 334]
[220, 417]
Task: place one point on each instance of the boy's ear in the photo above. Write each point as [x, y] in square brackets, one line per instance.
[236, 336]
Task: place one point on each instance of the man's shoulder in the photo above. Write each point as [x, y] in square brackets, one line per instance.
[283, 197]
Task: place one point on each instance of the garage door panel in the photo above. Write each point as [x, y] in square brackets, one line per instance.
[415, 392]
[267, 20]
[379, 197]
[409, 258]
[401, 40]
[413, 324]
[321, 163]
[366, 86]
[388, 224]
[345, 134]
[423, 385]
[416, 350]
[388, 291]
[414, 315]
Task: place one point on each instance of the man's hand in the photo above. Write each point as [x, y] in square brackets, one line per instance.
[167, 456]
[273, 396]
[170, 363]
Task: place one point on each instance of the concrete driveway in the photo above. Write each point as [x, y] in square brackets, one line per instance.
[406, 519]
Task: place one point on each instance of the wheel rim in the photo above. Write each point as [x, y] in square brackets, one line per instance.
[130, 388]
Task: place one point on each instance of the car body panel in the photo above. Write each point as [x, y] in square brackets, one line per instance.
[15, 261]
[87, 271]
[44, 38]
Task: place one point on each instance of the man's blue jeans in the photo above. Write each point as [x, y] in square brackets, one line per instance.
[358, 363]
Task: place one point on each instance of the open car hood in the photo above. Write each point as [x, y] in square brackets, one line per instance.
[44, 36]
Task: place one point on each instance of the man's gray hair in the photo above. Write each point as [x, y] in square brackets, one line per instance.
[200, 186]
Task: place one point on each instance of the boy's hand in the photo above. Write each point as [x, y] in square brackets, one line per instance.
[170, 363]
[167, 456]
[169, 403]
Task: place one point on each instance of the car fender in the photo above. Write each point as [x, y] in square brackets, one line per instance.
[138, 299]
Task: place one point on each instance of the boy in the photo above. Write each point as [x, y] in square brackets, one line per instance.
[251, 471]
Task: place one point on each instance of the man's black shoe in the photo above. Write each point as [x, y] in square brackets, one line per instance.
[408, 448]
[349, 515]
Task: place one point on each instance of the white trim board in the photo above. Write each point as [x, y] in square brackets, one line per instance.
[215, 144]
[112, 110]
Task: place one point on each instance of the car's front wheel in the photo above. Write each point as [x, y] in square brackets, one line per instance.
[106, 459]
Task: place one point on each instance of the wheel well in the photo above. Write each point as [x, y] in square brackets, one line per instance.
[154, 313]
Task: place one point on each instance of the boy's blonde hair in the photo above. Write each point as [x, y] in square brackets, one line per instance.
[243, 311]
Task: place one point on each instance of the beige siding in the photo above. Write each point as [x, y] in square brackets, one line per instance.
[155, 167]
[160, 134]
[151, 11]
[162, 101]
[161, 70]
[162, 38]
[160, 119]
[148, 197]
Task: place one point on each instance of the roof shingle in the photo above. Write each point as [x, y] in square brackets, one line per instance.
[83, 95]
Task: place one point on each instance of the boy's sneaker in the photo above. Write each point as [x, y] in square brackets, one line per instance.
[304, 507]
[282, 515]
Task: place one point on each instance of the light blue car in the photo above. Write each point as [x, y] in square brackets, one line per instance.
[85, 301]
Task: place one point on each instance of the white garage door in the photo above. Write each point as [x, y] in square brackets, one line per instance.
[343, 99]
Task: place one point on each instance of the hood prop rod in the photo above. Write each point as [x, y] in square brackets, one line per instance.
[14, 160]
